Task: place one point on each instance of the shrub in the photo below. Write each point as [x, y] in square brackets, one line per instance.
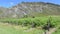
[37, 21]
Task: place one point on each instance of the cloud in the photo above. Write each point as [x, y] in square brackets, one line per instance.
[11, 3]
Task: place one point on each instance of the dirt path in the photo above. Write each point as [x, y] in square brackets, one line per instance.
[51, 31]
[29, 29]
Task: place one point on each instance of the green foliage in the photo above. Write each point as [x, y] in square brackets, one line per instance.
[25, 16]
[37, 21]
[48, 25]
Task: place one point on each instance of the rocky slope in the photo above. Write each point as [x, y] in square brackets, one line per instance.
[30, 9]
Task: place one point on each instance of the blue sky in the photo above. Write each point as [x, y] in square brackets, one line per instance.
[9, 3]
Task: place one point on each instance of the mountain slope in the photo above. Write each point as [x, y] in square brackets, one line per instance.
[31, 9]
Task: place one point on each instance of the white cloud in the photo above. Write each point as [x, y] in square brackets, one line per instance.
[11, 3]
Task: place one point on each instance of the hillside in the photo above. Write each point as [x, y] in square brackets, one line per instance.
[30, 9]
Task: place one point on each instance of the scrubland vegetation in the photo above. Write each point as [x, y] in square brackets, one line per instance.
[39, 21]
[26, 23]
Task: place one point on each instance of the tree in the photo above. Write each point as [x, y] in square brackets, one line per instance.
[48, 25]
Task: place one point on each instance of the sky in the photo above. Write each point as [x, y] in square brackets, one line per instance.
[10, 3]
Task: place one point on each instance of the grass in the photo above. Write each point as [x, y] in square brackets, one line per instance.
[12, 29]
[57, 32]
